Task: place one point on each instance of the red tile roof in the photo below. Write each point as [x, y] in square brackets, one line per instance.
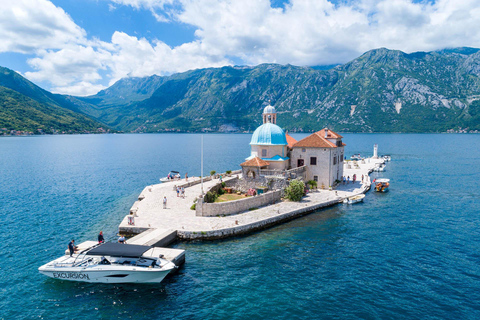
[330, 134]
[255, 162]
[318, 140]
[290, 140]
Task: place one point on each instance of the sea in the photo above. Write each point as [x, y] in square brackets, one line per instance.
[411, 253]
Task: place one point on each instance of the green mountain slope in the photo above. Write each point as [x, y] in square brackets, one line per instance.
[381, 91]
[21, 113]
[28, 108]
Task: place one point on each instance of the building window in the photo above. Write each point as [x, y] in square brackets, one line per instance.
[313, 161]
[341, 158]
[315, 178]
[264, 152]
[303, 150]
[334, 160]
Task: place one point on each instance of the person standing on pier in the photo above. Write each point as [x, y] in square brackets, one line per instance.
[348, 179]
[344, 179]
[182, 192]
[178, 192]
[100, 237]
[186, 176]
[164, 202]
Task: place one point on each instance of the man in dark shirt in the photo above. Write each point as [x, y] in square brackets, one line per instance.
[72, 247]
[100, 237]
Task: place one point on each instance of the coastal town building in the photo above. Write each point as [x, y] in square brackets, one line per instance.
[322, 153]
[274, 152]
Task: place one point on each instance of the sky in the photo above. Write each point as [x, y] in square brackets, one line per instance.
[80, 47]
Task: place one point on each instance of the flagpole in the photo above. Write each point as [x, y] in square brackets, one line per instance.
[201, 178]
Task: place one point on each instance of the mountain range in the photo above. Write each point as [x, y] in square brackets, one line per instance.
[380, 91]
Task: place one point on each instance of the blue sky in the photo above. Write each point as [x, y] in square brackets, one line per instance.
[82, 46]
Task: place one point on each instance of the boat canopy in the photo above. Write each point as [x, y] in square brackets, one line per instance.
[171, 171]
[119, 250]
[382, 180]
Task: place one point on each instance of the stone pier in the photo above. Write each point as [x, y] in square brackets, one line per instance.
[178, 218]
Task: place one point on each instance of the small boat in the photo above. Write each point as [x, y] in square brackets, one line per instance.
[111, 263]
[356, 157]
[379, 168]
[171, 176]
[354, 199]
[381, 185]
[387, 157]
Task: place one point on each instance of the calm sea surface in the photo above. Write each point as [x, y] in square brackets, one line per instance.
[413, 253]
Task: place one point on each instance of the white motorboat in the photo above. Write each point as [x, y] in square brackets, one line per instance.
[354, 199]
[379, 168]
[111, 263]
[387, 157]
[171, 176]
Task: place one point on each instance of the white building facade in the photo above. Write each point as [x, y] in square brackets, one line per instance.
[323, 153]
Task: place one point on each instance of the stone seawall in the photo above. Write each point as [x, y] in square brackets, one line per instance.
[258, 225]
[236, 206]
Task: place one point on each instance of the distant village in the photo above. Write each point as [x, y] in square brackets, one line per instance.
[7, 132]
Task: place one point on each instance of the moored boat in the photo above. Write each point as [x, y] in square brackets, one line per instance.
[354, 199]
[171, 176]
[382, 185]
[111, 263]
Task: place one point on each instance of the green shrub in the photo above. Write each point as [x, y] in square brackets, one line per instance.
[212, 172]
[312, 184]
[295, 190]
[228, 171]
[223, 184]
[210, 197]
[221, 191]
[193, 207]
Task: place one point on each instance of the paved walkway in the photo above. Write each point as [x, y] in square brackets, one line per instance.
[178, 215]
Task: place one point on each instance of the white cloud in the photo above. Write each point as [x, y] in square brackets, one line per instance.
[29, 25]
[304, 32]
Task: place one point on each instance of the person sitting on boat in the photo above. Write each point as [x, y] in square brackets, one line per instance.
[72, 247]
[122, 239]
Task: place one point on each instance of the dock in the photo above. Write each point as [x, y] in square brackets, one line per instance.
[154, 225]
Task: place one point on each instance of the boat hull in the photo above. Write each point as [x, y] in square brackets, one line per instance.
[104, 275]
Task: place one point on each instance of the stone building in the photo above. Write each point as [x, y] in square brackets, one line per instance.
[322, 153]
[275, 153]
[269, 142]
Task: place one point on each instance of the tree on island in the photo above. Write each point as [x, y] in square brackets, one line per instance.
[295, 190]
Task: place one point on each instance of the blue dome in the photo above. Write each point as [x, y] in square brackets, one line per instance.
[269, 134]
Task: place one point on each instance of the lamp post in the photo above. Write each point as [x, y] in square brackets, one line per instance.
[201, 178]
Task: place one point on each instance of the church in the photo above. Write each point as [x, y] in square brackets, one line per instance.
[276, 153]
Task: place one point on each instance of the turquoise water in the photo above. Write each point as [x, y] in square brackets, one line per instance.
[413, 253]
